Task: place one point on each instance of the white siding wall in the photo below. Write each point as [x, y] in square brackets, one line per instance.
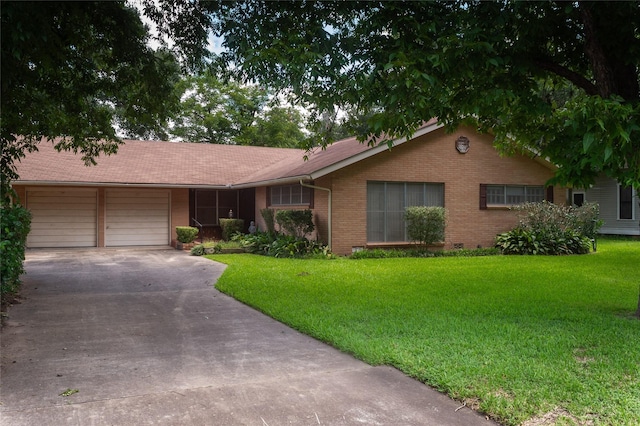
[605, 192]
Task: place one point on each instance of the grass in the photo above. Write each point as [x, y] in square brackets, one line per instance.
[516, 337]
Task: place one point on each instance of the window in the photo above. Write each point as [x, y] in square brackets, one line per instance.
[578, 198]
[510, 195]
[386, 203]
[286, 195]
[211, 205]
[205, 206]
[625, 202]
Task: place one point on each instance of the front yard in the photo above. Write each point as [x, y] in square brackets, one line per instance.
[520, 338]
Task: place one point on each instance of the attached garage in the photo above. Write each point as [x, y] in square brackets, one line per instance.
[62, 217]
[137, 217]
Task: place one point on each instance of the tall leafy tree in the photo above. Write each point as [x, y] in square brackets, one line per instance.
[78, 71]
[277, 126]
[560, 79]
[213, 111]
[225, 112]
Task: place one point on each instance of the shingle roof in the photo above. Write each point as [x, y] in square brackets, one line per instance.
[192, 164]
[154, 163]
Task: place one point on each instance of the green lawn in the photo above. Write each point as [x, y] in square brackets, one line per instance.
[513, 336]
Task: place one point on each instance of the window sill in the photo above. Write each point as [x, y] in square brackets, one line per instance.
[398, 244]
[498, 207]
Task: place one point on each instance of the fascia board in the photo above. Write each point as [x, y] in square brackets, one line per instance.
[116, 184]
[371, 152]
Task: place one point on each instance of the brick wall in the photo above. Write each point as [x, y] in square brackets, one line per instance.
[433, 158]
[179, 210]
[319, 211]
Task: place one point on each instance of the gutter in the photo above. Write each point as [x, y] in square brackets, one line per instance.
[118, 185]
[329, 208]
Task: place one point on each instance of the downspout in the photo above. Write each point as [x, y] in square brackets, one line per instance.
[329, 208]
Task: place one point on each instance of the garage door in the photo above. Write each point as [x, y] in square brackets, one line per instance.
[62, 217]
[137, 217]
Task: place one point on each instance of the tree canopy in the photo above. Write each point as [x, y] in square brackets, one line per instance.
[225, 112]
[554, 78]
[79, 72]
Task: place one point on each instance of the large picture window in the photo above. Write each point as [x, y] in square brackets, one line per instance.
[386, 203]
[290, 195]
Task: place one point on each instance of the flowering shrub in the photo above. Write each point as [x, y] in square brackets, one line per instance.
[547, 228]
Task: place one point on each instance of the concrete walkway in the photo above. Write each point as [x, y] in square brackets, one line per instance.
[141, 337]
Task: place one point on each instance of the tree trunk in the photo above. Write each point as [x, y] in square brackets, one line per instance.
[613, 75]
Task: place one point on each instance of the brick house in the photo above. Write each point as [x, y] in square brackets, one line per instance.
[357, 193]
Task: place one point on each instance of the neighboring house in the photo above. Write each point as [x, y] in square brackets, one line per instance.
[619, 205]
[357, 193]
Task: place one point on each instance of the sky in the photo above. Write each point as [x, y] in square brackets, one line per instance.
[215, 43]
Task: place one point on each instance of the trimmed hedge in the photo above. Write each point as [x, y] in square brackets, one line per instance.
[297, 223]
[425, 225]
[186, 234]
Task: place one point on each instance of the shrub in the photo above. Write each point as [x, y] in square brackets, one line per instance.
[231, 227]
[394, 253]
[297, 223]
[523, 241]
[15, 224]
[186, 234]
[280, 245]
[269, 217]
[210, 247]
[425, 225]
[547, 228]
[586, 220]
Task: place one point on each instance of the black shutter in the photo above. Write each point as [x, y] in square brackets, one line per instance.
[549, 194]
[483, 196]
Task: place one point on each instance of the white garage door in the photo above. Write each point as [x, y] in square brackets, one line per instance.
[137, 217]
[62, 217]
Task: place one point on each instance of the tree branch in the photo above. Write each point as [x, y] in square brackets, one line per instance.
[577, 79]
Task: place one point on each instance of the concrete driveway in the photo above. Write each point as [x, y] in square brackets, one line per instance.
[139, 337]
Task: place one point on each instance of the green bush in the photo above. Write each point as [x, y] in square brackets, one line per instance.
[297, 223]
[269, 216]
[15, 224]
[231, 227]
[280, 245]
[523, 241]
[186, 234]
[395, 253]
[209, 247]
[547, 228]
[425, 225]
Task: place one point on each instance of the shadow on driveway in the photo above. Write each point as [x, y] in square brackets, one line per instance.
[142, 337]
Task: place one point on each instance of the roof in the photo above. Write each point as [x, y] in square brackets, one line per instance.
[176, 164]
[153, 163]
